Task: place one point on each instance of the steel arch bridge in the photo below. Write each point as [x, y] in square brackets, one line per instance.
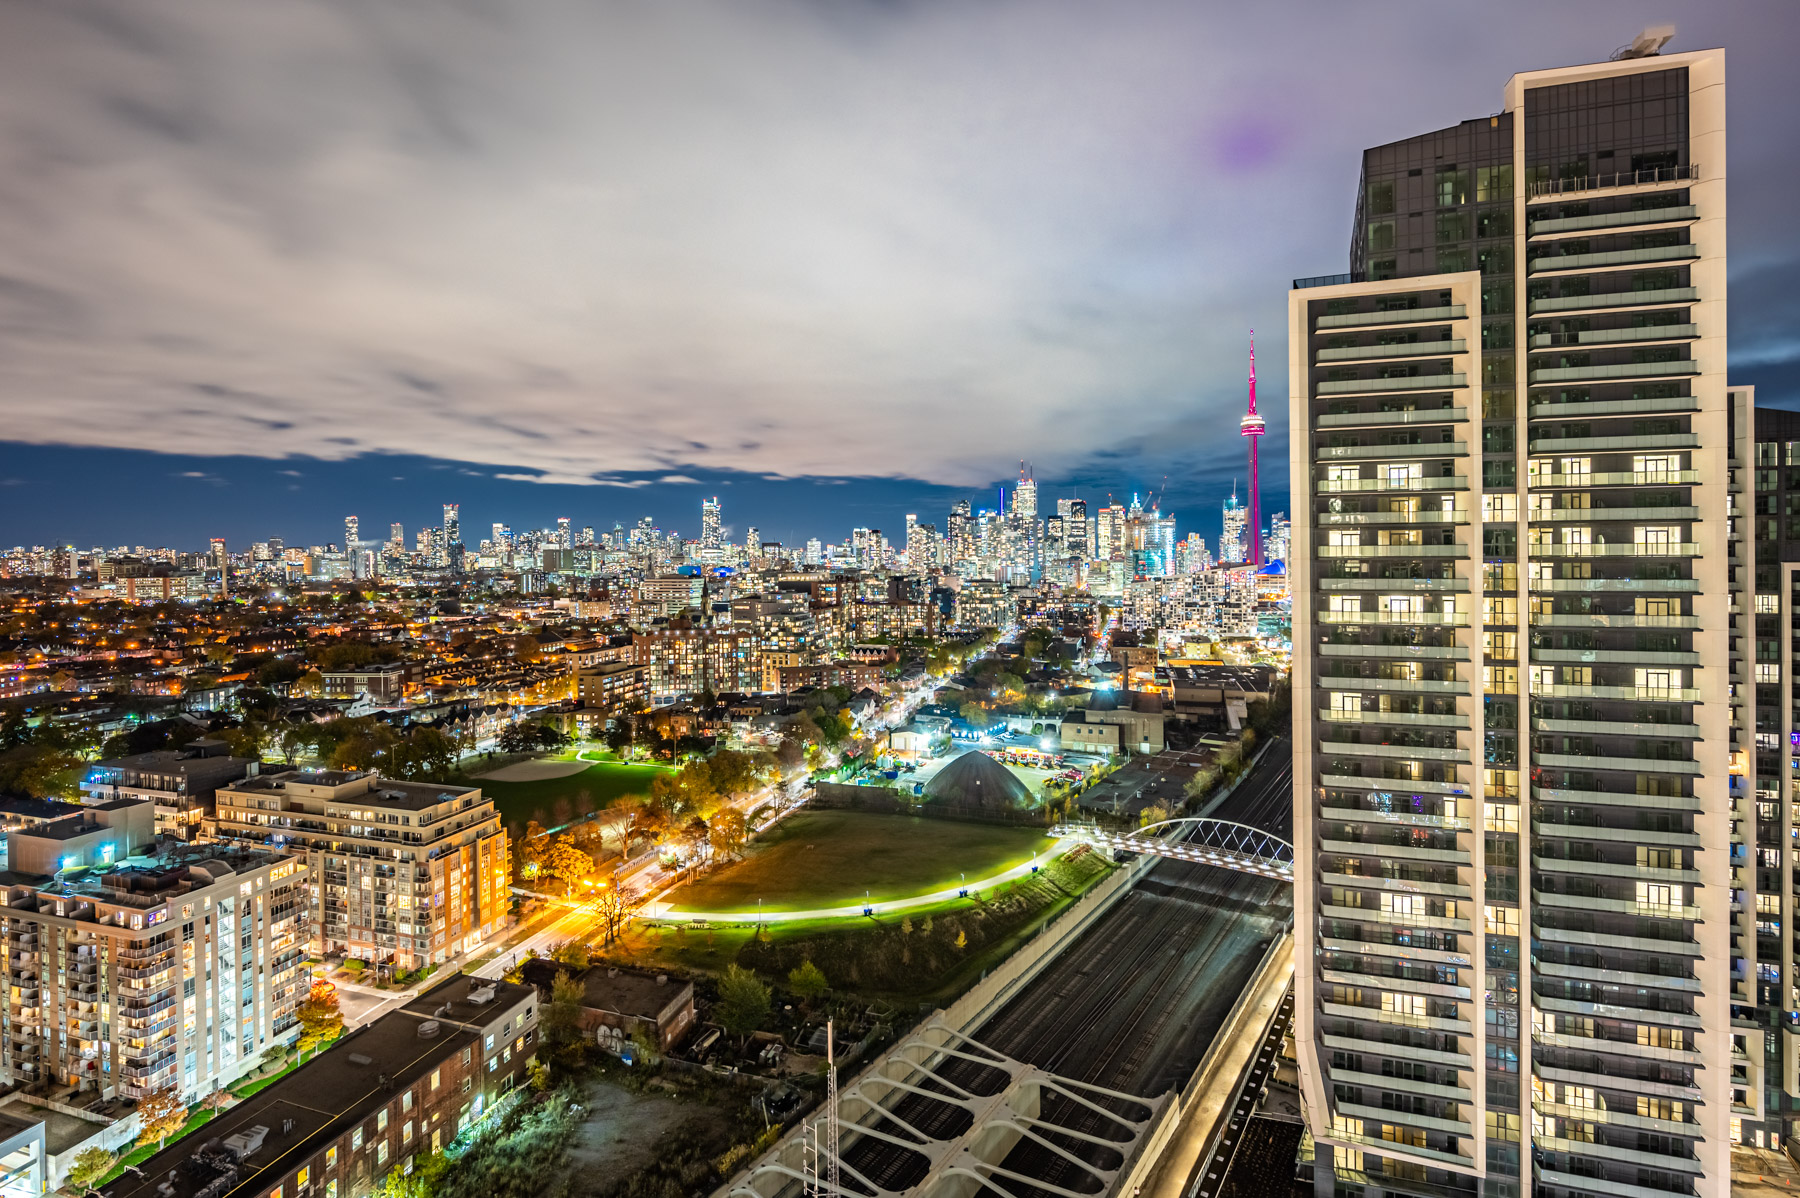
[1220, 842]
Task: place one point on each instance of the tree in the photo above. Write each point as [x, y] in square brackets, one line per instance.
[320, 1019]
[962, 939]
[566, 862]
[573, 953]
[160, 1115]
[533, 847]
[744, 1002]
[807, 981]
[974, 714]
[560, 1020]
[728, 830]
[90, 1165]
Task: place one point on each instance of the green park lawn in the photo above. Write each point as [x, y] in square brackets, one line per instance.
[829, 858]
[592, 789]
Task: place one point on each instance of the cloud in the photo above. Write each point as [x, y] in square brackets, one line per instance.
[598, 244]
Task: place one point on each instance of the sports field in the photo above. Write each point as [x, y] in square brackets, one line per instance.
[818, 859]
[555, 801]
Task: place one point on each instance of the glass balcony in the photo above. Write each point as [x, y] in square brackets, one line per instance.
[1550, 263]
[1409, 349]
[1432, 382]
[1351, 320]
[1615, 299]
[1622, 370]
[1679, 213]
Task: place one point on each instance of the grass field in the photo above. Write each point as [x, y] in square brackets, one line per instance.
[829, 858]
[595, 787]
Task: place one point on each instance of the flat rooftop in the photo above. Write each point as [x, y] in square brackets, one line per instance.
[324, 1098]
[390, 793]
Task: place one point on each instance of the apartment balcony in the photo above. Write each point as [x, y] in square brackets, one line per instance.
[1636, 586]
[1610, 728]
[1408, 349]
[1641, 694]
[1401, 1085]
[1413, 619]
[1402, 852]
[1445, 482]
[1613, 871]
[1597, 620]
[1581, 902]
[1425, 686]
[1326, 520]
[1615, 407]
[1410, 416]
[1609, 515]
[1614, 478]
[1678, 214]
[1395, 819]
[1615, 301]
[1400, 752]
[1618, 549]
[1336, 716]
[1410, 451]
[1636, 335]
[1618, 370]
[1352, 320]
[1361, 551]
[1650, 179]
[1423, 382]
[1406, 1119]
[1399, 983]
[1631, 836]
[1380, 1048]
[1544, 264]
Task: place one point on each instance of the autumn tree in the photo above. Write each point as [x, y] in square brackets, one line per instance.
[573, 953]
[728, 830]
[160, 1115]
[321, 1021]
[565, 862]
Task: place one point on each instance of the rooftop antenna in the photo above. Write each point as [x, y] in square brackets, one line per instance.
[1647, 44]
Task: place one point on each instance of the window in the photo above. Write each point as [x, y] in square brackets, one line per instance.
[303, 1177]
[1503, 921]
[1501, 1126]
[1493, 183]
[356, 1139]
[406, 1132]
[435, 1078]
[381, 1153]
[331, 1157]
[1408, 1008]
[381, 1120]
[406, 1101]
[1501, 817]
[331, 1188]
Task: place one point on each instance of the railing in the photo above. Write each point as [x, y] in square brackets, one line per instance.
[1651, 332]
[1350, 320]
[1616, 299]
[1604, 258]
[1612, 220]
[1661, 174]
[1328, 280]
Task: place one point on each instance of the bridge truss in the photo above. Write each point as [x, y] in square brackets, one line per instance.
[1205, 841]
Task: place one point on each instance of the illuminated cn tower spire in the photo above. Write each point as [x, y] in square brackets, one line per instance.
[1252, 427]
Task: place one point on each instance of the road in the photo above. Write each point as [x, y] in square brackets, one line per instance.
[1134, 1003]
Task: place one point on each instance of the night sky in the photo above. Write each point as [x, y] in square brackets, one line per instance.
[266, 265]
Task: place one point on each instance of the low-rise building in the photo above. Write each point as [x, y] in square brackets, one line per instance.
[179, 783]
[384, 682]
[384, 1096]
[617, 1004]
[614, 688]
[405, 874]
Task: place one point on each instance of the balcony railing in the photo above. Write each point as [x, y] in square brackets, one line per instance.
[1650, 332]
[1649, 253]
[1441, 348]
[1616, 299]
[1679, 213]
[1621, 370]
[1350, 320]
[1420, 382]
[1444, 482]
[1546, 188]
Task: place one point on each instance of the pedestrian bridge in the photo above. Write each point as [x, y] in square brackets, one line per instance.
[1199, 839]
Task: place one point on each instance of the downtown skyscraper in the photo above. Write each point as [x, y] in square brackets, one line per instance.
[1513, 458]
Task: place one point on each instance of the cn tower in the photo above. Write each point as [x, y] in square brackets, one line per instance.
[1252, 427]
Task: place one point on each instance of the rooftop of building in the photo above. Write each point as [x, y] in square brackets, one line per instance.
[13, 809]
[619, 991]
[174, 868]
[323, 1099]
[381, 792]
[12, 1127]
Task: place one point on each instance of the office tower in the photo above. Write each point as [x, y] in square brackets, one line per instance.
[219, 559]
[712, 532]
[1075, 527]
[564, 538]
[1233, 542]
[1504, 990]
[452, 525]
[587, 536]
[352, 533]
[752, 541]
[1109, 531]
[406, 874]
[1277, 547]
[137, 968]
[815, 552]
[959, 533]
[1253, 426]
[1024, 500]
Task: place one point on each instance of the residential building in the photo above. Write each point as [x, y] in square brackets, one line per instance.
[383, 682]
[178, 969]
[404, 874]
[385, 1096]
[614, 688]
[179, 783]
[1510, 569]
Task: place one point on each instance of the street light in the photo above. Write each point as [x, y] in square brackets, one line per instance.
[964, 892]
